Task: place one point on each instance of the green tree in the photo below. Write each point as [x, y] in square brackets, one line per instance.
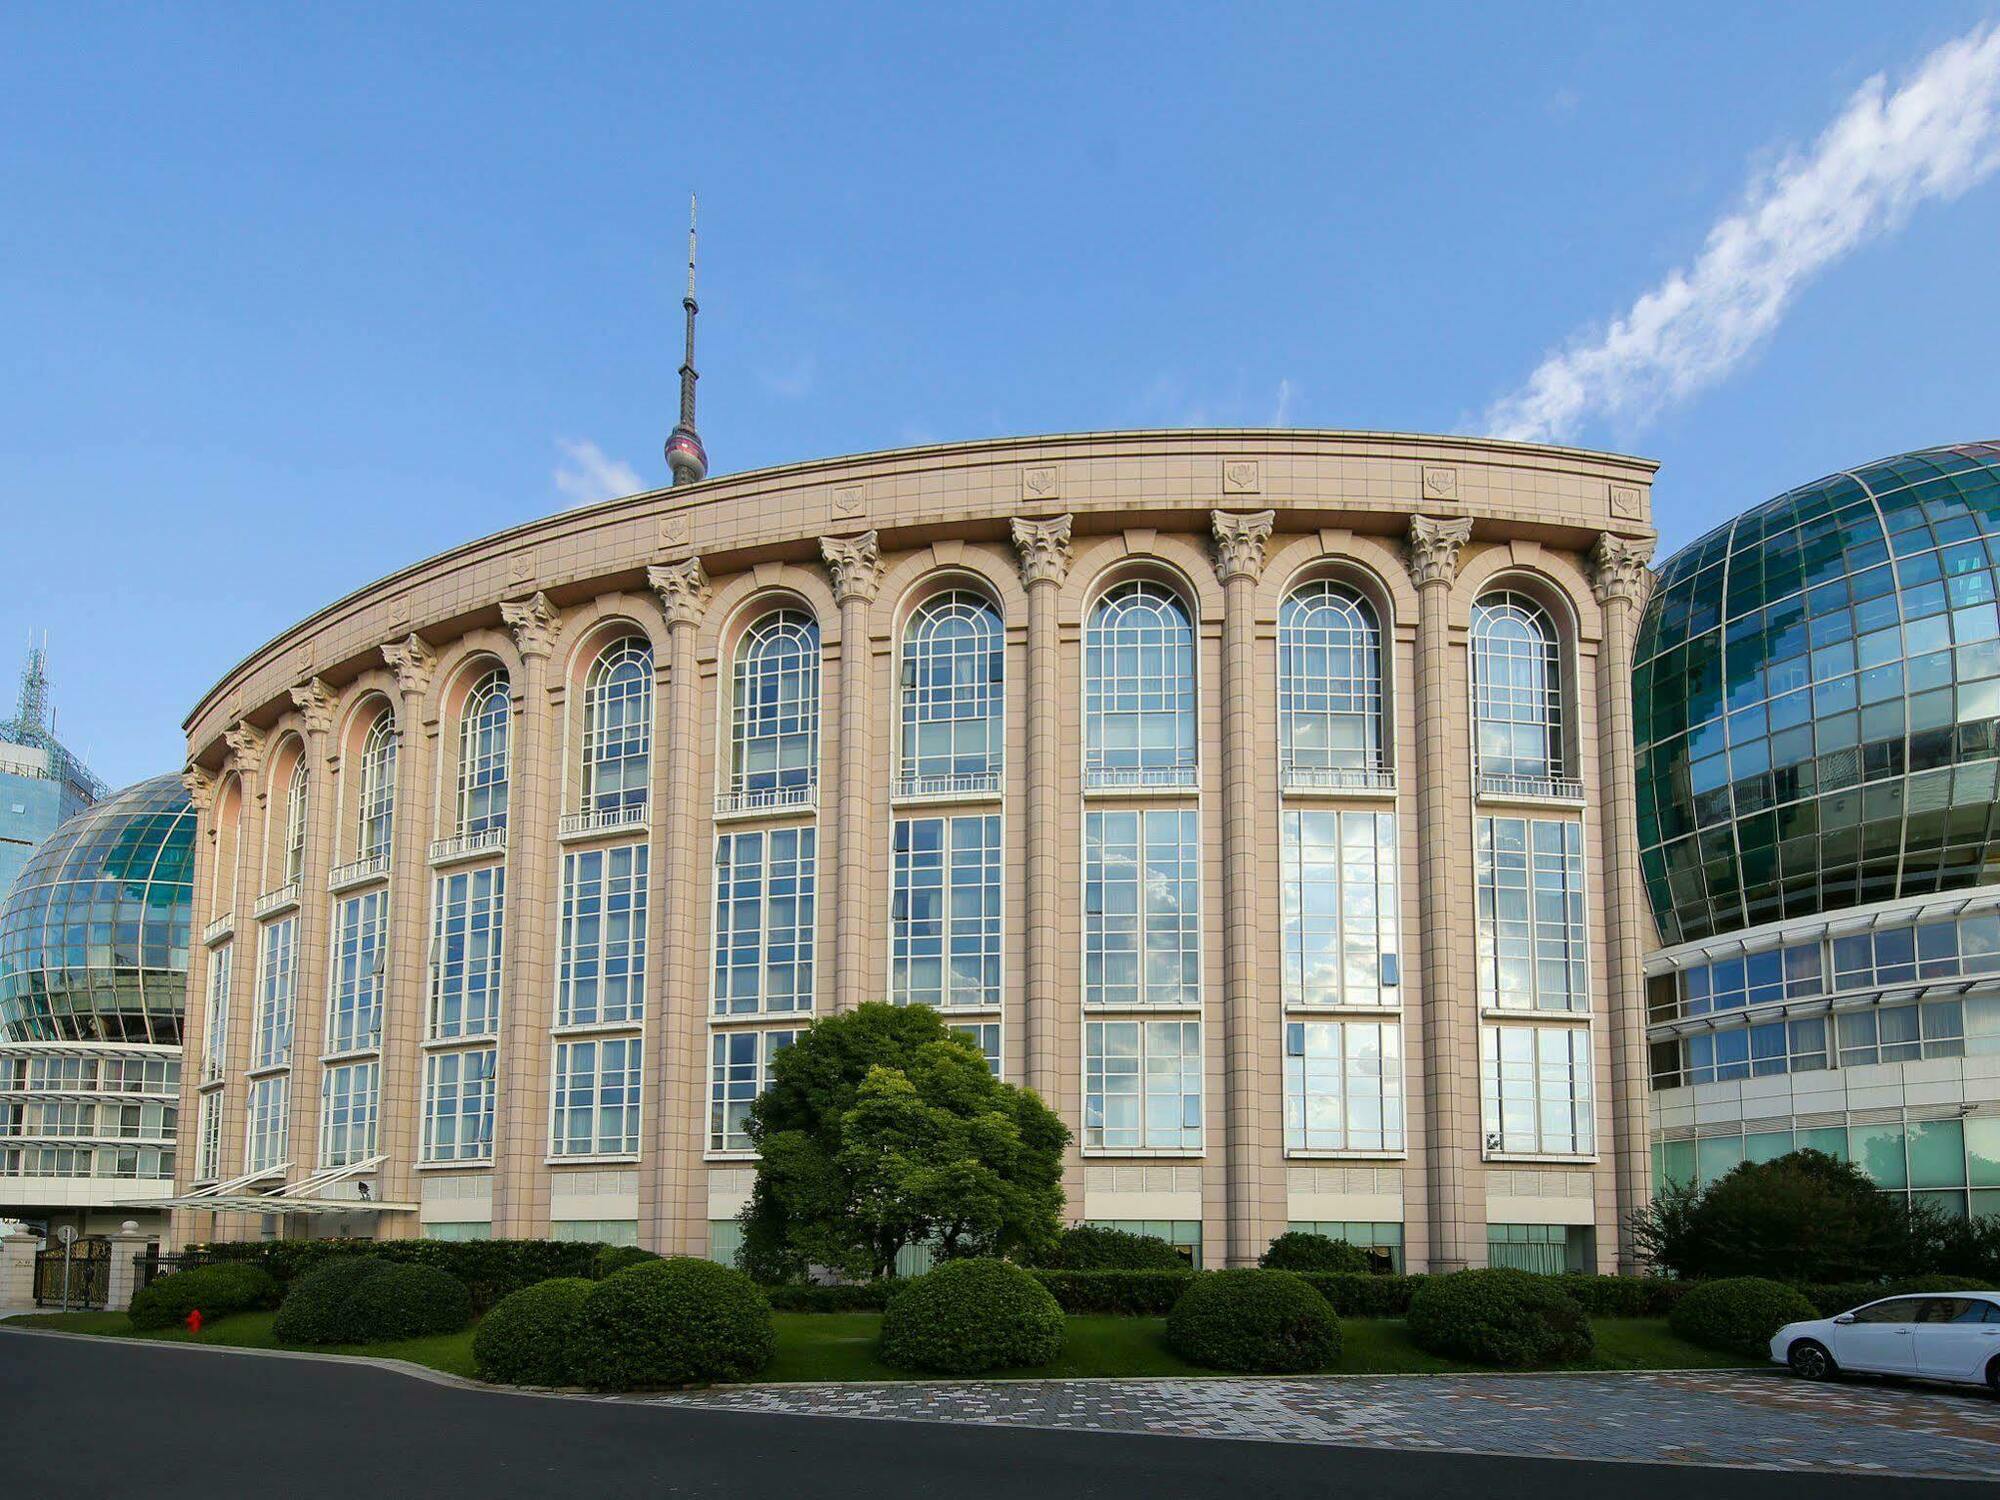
[881, 1129]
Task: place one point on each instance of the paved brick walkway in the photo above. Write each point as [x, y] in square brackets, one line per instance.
[1738, 1419]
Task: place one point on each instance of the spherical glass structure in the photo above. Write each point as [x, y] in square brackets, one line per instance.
[94, 933]
[1817, 699]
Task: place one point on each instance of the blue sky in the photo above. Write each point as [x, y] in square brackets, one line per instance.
[304, 294]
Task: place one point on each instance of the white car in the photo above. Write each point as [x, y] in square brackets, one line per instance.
[1938, 1336]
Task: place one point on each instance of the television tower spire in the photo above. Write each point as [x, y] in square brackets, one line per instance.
[685, 455]
[31, 711]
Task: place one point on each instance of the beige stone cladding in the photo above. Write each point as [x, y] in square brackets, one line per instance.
[712, 701]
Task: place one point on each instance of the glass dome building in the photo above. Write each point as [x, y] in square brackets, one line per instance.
[1817, 728]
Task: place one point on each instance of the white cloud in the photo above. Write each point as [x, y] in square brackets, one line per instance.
[1282, 412]
[590, 474]
[1936, 136]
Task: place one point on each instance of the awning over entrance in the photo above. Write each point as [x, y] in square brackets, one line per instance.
[304, 1196]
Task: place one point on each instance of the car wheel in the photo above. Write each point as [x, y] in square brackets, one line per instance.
[1810, 1361]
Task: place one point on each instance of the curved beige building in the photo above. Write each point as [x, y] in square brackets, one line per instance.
[1262, 799]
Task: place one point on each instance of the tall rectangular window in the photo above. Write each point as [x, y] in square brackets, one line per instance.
[740, 1067]
[360, 931]
[208, 1138]
[1142, 1085]
[1340, 908]
[764, 921]
[277, 986]
[1531, 936]
[944, 915]
[597, 1098]
[348, 1097]
[458, 1105]
[601, 977]
[1142, 907]
[215, 1046]
[1343, 1086]
[1535, 1090]
[985, 1035]
[267, 1125]
[467, 932]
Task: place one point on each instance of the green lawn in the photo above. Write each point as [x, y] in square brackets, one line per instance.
[841, 1346]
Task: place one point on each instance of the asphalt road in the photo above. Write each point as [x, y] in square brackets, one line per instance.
[86, 1418]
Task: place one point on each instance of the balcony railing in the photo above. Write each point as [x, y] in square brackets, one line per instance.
[1141, 778]
[222, 927]
[1310, 779]
[766, 800]
[358, 872]
[465, 845]
[947, 788]
[602, 820]
[272, 902]
[1538, 788]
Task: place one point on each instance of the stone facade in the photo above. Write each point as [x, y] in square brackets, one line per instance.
[1229, 524]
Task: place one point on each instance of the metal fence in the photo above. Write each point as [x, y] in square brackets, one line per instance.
[79, 1277]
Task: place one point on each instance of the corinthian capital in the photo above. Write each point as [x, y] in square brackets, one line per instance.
[200, 788]
[413, 662]
[314, 701]
[1239, 543]
[854, 564]
[534, 623]
[1618, 568]
[1044, 549]
[1434, 548]
[246, 746]
[683, 590]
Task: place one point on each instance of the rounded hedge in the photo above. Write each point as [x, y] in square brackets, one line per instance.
[315, 1304]
[404, 1302]
[611, 1259]
[673, 1322]
[215, 1290]
[970, 1316]
[530, 1337]
[1739, 1315]
[1085, 1247]
[1296, 1250]
[1498, 1316]
[1263, 1322]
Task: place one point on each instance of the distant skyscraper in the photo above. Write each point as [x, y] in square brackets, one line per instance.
[41, 781]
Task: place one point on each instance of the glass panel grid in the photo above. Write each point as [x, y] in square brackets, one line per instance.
[1139, 682]
[467, 936]
[740, 1067]
[482, 755]
[459, 1092]
[618, 727]
[601, 973]
[944, 915]
[354, 1017]
[349, 1097]
[1142, 1085]
[596, 1110]
[774, 706]
[953, 701]
[1536, 1090]
[764, 914]
[378, 789]
[1531, 934]
[1329, 680]
[277, 989]
[1517, 700]
[1339, 908]
[1343, 1086]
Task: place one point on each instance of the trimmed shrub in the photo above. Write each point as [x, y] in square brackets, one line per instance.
[611, 1259]
[216, 1290]
[1622, 1296]
[970, 1316]
[846, 1296]
[1499, 1316]
[1085, 1247]
[490, 1269]
[1738, 1315]
[404, 1302]
[315, 1305]
[680, 1321]
[1355, 1296]
[1833, 1298]
[1296, 1250]
[1128, 1293]
[1261, 1322]
[529, 1338]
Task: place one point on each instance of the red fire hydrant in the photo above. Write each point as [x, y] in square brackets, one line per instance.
[194, 1321]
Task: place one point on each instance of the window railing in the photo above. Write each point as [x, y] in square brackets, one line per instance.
[601, 820]
[1544, 788]
[222, 927]
[272, 902]
[1338, 778]
[946, 788]
[1141, 778]
[465, 845]
[767, 799]
[358, 872]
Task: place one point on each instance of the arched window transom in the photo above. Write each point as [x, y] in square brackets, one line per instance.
[618, 727]
[774, 724]
[378, 788]
[295, 823]
[483, 727]
[1329, 682]
[952, 680]
[1139, 688]
[1517, 694]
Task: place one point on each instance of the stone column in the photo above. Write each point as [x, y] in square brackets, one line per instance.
[856, 569]
[399, 1106]
[246, 756]
[1248, 1034]
[1620, 576]
[1045, 558]
[17, 1272]
[534, 797]
[673, 1187]
[314, 936]
[126, 1248]
[201, 787]
[1450, 1065]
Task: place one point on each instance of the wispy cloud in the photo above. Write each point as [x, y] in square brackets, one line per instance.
[589, 474]
[1934, 137]
[1281, 412]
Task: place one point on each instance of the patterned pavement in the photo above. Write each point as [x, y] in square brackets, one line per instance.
[1738, 1419]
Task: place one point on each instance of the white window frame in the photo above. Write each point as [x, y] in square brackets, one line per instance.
[953, 673]
[468, 953]
[375, 836]
[1334, 627]
[774, 704]
[783, 923]
[618, 727]
[601, 936]
[357, 985]
[1555, 1052]
[582, 1062]
[1343, 1087]
[277, 991]
[1154, 1052]
[728, 1103]
[951, 935]
[1542, 942]
[1113, 937]
[460, 1091]
[1361, 928]
[350, 1105]
[267, 1123]
[215, 1043]
[485, 726]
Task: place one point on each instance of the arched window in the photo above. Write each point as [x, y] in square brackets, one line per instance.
[1139, 690]
[953, 665]
[1329, 682]
[1516, 689]
[295, 823]
[774, 727]
[378, 788]
[618, 726]
[482, 755]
